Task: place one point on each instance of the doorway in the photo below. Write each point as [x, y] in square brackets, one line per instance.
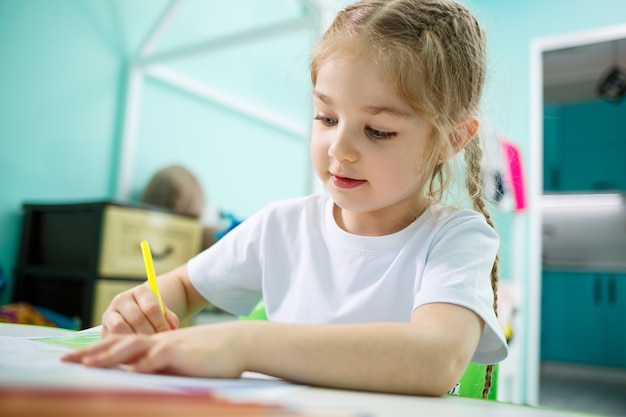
[563, 68]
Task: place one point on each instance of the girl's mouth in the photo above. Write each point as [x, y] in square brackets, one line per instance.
[346, 183]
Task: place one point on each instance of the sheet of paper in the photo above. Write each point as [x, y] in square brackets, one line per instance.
[71, 339]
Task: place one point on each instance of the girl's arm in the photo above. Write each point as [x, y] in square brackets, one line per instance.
[424, 357]
[137, 310]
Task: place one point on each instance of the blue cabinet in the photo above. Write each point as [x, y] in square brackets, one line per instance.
[584, 147]
[570, 321]
[583, 318]
[616, 320]
[551, 148]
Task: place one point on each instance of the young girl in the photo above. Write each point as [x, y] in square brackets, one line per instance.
[378, 286]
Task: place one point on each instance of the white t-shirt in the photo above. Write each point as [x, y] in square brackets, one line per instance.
[306, 269]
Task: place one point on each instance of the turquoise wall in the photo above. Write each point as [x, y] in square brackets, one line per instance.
[60, 88]
[63, 87]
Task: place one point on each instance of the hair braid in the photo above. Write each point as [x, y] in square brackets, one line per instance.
[473, 156]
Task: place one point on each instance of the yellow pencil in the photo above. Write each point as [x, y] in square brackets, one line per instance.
[147, 260]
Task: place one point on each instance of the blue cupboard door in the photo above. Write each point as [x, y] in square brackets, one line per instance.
[585, 142]
[551, 148]
[616, 320]
[552, 313]
[572, 317]
[574, 176]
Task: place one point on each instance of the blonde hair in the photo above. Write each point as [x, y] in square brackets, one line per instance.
[433, 55]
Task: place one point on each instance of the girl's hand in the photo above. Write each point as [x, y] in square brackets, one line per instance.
[137, 311]
[215, 351]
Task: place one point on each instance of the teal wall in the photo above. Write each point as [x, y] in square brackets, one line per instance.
[64, 66]
[60, 87]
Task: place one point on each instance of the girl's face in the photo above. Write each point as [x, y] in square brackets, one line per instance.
[368, 148]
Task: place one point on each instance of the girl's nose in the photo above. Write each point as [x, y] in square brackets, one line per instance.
[342, 148]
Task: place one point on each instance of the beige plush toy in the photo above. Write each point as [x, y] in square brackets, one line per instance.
[175, 188]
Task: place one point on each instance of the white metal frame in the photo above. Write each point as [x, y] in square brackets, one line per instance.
[535, 189]
[145, 63]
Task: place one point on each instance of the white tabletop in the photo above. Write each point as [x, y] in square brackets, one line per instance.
[25, 362]
[26, 330]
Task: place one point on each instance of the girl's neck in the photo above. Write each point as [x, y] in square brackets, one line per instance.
[377, 223]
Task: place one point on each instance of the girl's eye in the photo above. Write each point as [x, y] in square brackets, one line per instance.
[326, 121]
[379, 134]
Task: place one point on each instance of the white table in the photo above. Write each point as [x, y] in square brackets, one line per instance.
[23, 363]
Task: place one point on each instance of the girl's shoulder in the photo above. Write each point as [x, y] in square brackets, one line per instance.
[443, 213]
[444, 218]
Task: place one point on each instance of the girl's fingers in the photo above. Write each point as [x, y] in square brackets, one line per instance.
[125, 350]
[94, 349]
[114, 351]
[158, 357]
[124, 316]
[137, 311]
[172, 319]
[142, 314]
[202, 351]
[136, 315]
[151, 320]
[141, 353]
[114, 323]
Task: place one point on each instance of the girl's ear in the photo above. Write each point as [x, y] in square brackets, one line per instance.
[463, 133]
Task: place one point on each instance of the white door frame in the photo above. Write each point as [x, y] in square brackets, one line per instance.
[537, 47]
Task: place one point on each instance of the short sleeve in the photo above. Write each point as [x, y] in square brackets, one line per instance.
[228, 274]
[458, 271]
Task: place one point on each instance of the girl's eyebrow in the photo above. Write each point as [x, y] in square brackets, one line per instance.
[373, 110]
[392, 111]
[323, 97]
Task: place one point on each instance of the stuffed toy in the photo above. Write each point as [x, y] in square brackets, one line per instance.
[176, 189]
